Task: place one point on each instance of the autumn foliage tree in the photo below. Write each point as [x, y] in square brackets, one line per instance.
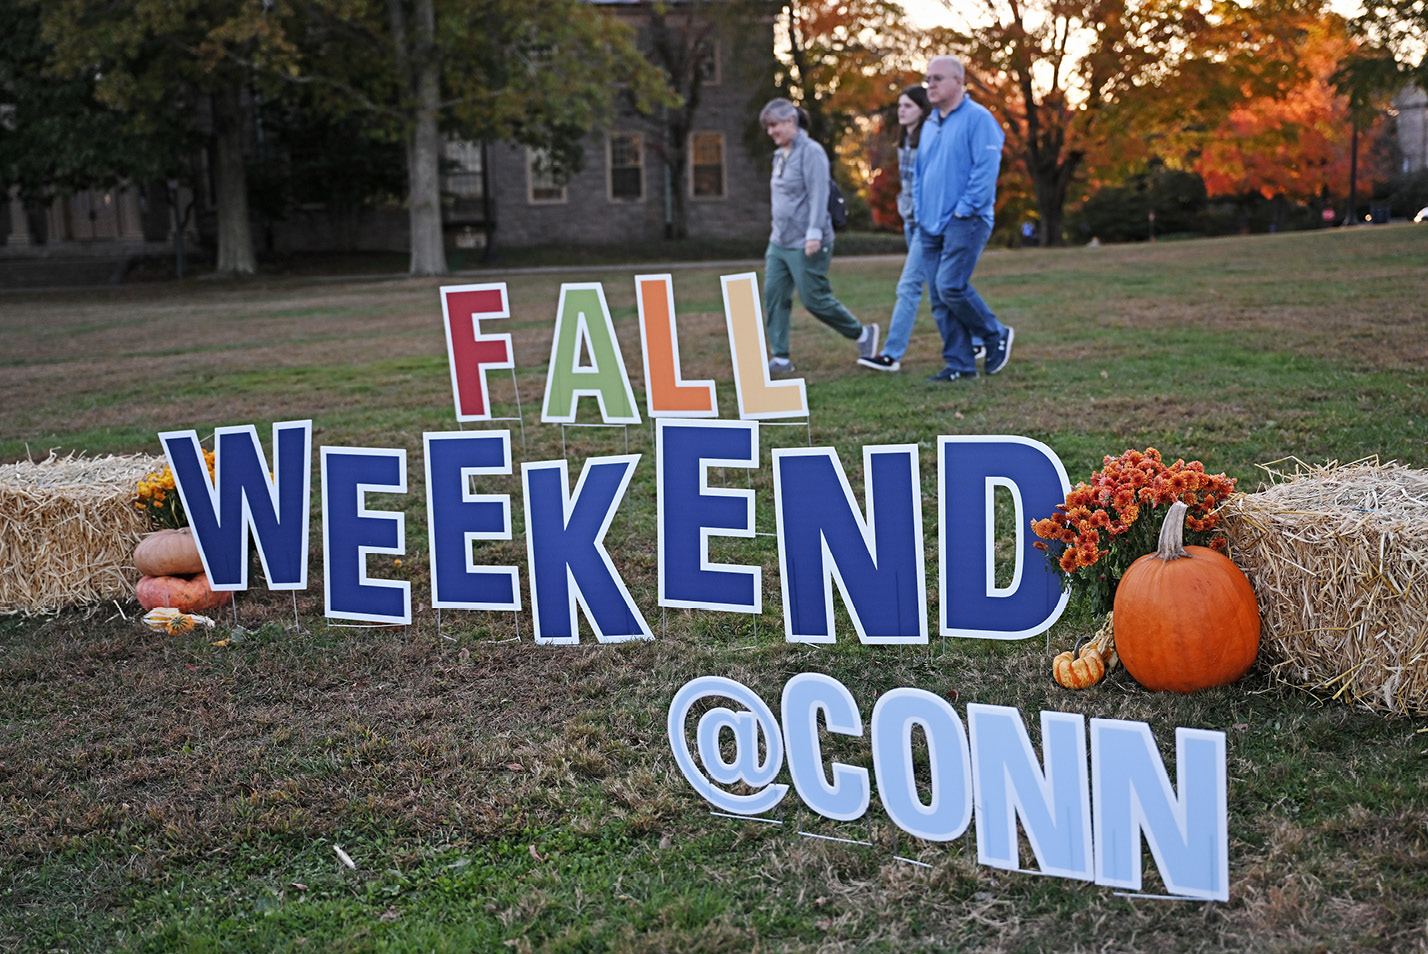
[1295, 144]
[1059, 74]
[844, 60]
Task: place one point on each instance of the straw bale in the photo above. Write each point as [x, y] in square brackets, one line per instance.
[1338, 557]
[68, 528]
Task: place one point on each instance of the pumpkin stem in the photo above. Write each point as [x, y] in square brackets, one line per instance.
[1172, 534]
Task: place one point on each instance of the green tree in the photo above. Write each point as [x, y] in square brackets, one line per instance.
[308, 157]
[59, 136]
[56, 134]
[155, 60]
[538, 72]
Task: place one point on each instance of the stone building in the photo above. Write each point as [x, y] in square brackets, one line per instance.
[1411, 107]
[624, 192]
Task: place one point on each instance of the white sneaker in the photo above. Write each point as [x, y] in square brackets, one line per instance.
[780, 366]
[868, 341]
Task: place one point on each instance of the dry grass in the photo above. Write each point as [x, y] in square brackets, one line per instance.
[1339, 561]
[68, 527]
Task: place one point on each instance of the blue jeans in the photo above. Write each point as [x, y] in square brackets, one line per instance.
[949, 258]
[909, 297]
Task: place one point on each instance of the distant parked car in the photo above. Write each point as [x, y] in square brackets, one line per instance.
[1422, 215]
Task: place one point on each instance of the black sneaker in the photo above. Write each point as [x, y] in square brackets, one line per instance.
[948, 375]
[881, 363]
[997, 356]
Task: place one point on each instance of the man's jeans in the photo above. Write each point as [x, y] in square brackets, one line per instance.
[948, 261]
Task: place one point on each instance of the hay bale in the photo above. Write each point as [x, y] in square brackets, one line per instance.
[68, 528]
[1338, 557]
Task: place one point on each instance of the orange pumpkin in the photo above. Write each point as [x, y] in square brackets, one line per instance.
[188, 595]
[168, 553]
[1186, 617]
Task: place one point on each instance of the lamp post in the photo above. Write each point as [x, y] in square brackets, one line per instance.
[1351, 217]
[1152, 170]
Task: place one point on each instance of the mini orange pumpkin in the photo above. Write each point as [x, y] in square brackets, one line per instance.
[1079, 672]
[185, 595]
[1085, 665]
[168, 553]
[1186, 617]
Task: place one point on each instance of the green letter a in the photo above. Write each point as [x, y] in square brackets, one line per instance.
[584, 316]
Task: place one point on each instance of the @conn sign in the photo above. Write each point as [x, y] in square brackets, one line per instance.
[986, 765]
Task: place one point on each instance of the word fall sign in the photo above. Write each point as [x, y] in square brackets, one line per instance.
[1080, 824]
[585, 358]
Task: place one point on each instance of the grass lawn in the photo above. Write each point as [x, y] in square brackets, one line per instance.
[163, 793]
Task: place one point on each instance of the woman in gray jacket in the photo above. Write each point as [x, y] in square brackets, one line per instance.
[801, 243]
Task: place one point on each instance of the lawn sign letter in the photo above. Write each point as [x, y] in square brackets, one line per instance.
[872, 553]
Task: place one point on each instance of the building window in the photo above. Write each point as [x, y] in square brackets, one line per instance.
[627, 172]
[708, 61]
[547, 184]
[462, 169]
[706, 165]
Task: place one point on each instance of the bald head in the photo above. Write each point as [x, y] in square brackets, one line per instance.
[946, 83]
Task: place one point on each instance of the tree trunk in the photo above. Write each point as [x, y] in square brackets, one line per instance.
[1052, 181]
[676, 166]
[428, 255]
[1051, 209]
[235, 234]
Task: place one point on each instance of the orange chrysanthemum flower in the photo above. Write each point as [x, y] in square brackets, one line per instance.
[1121, 506]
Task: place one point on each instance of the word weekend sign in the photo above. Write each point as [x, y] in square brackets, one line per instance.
[871, 552]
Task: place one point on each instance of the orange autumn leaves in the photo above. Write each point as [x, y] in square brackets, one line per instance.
[1109, 522]
[1297, 142]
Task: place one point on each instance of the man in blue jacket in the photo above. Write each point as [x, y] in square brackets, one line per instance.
[958, 156]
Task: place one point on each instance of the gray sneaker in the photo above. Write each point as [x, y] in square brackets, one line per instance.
[780, 366]
[868, 341]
